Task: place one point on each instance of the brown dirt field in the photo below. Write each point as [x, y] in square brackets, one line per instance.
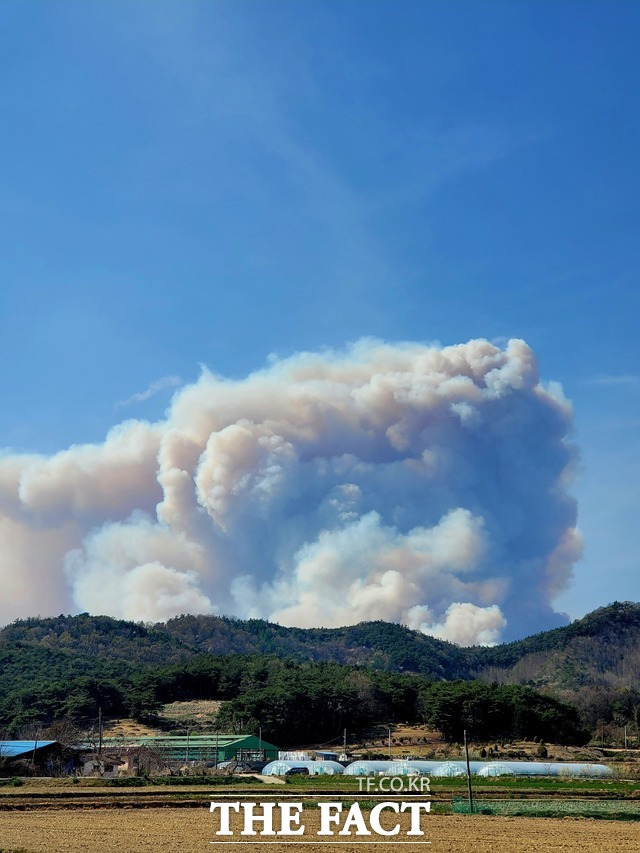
[197, 709]
[195, 713]
[421, 741]
[128, 729]
[191, 830]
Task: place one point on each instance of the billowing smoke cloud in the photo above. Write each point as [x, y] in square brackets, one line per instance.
[415, 484]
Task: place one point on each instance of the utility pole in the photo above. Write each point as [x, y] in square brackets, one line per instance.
[35, 746]
[99, 729]
[466, 753]
[344, 746]
[389, 741]
[186, 757]
[260, 742]
[216, 750]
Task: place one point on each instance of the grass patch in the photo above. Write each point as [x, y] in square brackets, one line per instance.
[143, 781]
[505, 785]
[603, 809]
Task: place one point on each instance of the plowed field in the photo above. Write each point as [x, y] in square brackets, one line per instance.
[189, 830]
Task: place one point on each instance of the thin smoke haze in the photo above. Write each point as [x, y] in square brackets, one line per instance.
[410, 483]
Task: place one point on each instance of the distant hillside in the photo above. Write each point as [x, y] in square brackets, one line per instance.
[594, 663]
[378, 645]
[603, 648]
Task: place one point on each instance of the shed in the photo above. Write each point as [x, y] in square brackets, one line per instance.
[46, 756]
[324, 755]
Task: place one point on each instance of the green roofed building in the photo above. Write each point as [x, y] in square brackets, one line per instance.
[208, 748]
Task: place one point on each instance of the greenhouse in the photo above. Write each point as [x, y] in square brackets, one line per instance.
[496, 768]
[479, 768]
[585, 770]
[448, 769]
[542, 768]
[402, 768]
[313, 768]
[367, 768]
[427, 767]
[391, 768]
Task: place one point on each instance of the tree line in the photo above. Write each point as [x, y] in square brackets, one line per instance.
[292, 702]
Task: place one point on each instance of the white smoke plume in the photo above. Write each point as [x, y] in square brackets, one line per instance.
[410, 483]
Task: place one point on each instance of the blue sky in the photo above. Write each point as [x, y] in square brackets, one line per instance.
[189, 183]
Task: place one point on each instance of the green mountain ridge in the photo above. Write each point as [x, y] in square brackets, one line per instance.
[602, 647]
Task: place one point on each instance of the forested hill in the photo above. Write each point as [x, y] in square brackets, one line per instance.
[69, 666]
[97, 637]
[601, 648]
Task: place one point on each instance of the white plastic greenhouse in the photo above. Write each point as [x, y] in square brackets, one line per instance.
[449, 769]
[392, 768]
[586, 770]
[440, 768]
[402, 768]
[543, 768]
[479, 768]
[314, 768]
[367, 768]
[496, 768]
[429, 766]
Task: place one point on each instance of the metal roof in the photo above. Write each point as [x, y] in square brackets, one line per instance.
[204, 741]
[180, 742]
[13, 748]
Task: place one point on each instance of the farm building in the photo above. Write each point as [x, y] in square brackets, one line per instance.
[46, 757]
[113, 761]
[159, 753]
[210, 749]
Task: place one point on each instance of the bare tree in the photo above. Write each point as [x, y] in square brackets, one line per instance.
[64, 731]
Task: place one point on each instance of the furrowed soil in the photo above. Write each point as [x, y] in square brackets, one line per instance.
[190, 830]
